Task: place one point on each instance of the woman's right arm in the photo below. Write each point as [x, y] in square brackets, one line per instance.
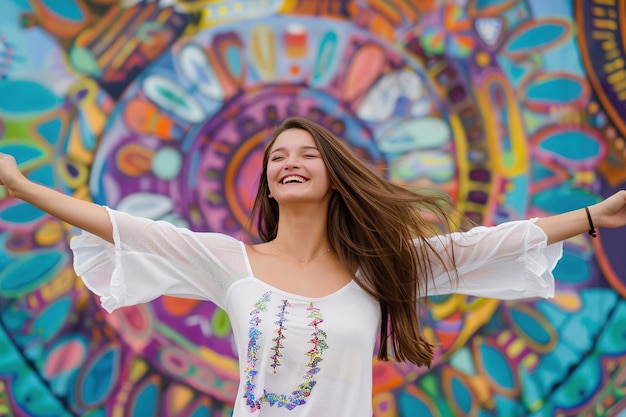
[87, 216]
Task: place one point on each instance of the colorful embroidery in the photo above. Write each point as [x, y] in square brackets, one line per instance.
[253, 349]
[318, 345]
[280, 336]
[318, 339]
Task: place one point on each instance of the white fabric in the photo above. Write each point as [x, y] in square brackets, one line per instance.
[298, 356]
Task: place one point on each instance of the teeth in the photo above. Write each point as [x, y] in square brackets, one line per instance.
[293, 178]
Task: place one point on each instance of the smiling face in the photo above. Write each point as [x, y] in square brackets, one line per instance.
[295, 169]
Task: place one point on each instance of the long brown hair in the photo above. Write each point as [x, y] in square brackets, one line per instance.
[372, 223]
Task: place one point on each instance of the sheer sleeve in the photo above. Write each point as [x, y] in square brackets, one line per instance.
[509, 261]
[153, 258]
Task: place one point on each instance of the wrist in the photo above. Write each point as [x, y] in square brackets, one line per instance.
[591, 223]
[17, 187]
[597, 212]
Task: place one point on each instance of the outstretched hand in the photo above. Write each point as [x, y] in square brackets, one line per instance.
[610, 212]
[9, 173]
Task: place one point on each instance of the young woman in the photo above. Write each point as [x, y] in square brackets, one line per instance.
[346, 256]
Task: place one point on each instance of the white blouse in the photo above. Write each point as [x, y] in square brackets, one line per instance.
[298, 356]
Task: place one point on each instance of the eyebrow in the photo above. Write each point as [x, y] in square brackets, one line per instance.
[282, 149]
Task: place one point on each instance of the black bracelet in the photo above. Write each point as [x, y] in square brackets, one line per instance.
[592, 229]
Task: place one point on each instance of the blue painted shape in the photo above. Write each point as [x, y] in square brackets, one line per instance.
[22, 152]
[497, 367]
[573, 144]
[554, 367]
[481, 4]
[531, 327]
[613, 338]
[233, 56]
[50, 130]
[35, 398]
[21, 213]
[462, 396]
[572, 269]
[555, 90]
[326, 59]
[540, 172]
[23, 96]
[563, 198]
[67, 9]
[146, 401]
[100, 377]
[409, 405]
[52, 318]
[508, 407]
[581, 385]
[580, 331]
[30, 271]
[552, 312]
[536, 37]
[43, 175]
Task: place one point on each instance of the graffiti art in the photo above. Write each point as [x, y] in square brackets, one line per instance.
[514, 108]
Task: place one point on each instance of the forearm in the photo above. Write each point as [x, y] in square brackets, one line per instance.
[82, 214]
[566, 225]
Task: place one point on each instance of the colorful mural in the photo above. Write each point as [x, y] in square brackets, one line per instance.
[515, 108]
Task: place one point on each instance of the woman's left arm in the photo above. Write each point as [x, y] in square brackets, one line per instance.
[610, 212]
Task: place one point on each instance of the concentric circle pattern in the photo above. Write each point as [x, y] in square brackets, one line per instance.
[515, 109]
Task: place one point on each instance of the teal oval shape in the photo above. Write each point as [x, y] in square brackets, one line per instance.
[497, 367]
[43, 175]
[531, 327]
[572, 144]
[559, 90]
[22, 152]
[409, 405]
[535, 37]
[146, 401]
[21, 213]
[100, 377]
[325, 56]
[68, 9]
[51, 319]
[24, 96]
[27, 272]
[462, 396]
[233, 56]
[563, 198]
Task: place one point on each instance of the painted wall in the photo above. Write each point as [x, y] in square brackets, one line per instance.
[161, 108]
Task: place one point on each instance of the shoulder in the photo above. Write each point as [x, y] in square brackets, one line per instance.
[257, 250]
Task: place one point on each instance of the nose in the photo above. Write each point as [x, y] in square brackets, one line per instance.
[292, 162]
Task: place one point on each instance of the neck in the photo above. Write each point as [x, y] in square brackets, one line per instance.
[302, 233]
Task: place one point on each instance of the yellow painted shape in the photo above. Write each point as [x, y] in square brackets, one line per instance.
[517, 156]
[263, 51]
